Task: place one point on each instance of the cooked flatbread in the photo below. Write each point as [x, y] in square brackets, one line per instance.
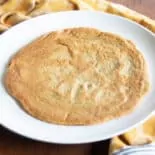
[78, 76]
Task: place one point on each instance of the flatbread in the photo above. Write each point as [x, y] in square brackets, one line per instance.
[78, 76]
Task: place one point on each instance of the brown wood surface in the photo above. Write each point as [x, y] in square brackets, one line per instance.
[147, 7]
[12, 144]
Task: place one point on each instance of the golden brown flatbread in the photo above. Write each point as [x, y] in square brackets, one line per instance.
[78, 76]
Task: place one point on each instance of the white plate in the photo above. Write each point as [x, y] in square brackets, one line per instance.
[15, 119]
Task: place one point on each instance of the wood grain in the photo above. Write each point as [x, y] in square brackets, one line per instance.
[147, 7]
[12, 144]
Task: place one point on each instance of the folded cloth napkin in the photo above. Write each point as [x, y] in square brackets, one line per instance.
[15, 11]
[138, 140]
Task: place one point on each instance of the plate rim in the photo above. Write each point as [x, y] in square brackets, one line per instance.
[76, 142]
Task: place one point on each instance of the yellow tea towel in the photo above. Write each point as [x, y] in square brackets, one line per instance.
[141, 135]
[15, 11]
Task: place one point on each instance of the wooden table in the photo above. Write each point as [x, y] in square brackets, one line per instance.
[12, 144]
